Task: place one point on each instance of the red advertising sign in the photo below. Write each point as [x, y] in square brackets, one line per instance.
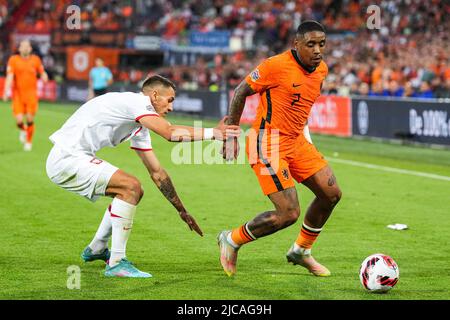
[249, 113]
[46, 91]
[331, 115]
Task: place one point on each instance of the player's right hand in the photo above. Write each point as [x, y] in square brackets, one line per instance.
[230, 149]
[190, 221]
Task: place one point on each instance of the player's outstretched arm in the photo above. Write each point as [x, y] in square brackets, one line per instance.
[165, 185]
[230, 148]
[176, 133]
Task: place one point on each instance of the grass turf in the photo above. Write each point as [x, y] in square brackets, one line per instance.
[45, 228]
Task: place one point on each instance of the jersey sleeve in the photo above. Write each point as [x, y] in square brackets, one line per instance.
[10, 67]
[139, 106]
[141, 140]
[262, 77]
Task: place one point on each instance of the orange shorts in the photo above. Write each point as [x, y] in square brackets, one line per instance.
[24, 105]
[296, 159]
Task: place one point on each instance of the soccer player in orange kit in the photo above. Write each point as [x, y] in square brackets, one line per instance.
[21, 75]
[280, 149]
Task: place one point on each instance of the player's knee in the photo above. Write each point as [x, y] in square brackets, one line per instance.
[134, 190]
[335, 197]
[291, 215]
[287, 217]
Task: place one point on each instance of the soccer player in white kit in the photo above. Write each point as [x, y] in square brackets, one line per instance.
[106, 121]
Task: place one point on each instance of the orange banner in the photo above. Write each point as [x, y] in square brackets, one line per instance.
[80, 60]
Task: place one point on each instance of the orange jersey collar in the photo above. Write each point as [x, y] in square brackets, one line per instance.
[297, 58]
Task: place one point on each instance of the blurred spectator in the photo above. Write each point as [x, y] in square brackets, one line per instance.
[409, 90]
[377, 89]
[442, 89]
[424, 91]
[363, 89]
[394, 90]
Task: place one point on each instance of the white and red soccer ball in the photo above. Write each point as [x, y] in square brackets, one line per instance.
[379, 273]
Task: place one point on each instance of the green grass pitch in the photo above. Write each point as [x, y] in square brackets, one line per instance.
[44, 228]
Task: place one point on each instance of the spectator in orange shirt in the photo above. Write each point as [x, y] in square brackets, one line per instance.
[21, 76]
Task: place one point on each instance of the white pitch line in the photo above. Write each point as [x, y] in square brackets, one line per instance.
[390, 169]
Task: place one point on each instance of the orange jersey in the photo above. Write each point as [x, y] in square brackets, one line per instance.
[288, 92]
[25, 71]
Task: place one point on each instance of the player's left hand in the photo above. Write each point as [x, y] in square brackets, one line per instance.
[190, 221]
[230, 149]
[223, 131]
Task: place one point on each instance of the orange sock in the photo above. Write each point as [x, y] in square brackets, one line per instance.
[30, 131]
[242, 235]
[307, 236]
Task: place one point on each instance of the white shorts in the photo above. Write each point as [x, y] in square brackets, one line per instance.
[80, 173]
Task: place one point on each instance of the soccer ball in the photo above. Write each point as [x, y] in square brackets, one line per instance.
[378, 273]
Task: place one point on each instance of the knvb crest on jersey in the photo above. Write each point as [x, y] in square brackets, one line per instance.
[149, 108]
[254, 75]
[285, 174]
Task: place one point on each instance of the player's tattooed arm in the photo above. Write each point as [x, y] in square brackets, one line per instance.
[165, 185]
[242, 91]
[230, 149]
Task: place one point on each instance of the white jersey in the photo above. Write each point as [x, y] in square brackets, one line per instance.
[106, 121]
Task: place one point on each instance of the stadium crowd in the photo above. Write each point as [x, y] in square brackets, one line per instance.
[409, 55]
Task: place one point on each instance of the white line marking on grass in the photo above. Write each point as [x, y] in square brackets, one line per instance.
[390, 169]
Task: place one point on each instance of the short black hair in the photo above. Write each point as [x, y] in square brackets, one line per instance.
[308, 26]
[158, 80]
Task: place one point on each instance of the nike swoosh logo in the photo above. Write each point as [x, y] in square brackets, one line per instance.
[296, 85]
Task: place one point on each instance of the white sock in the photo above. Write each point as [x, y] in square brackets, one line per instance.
[230, 240]
[300, 250]
[122, 214]
[100, 241]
